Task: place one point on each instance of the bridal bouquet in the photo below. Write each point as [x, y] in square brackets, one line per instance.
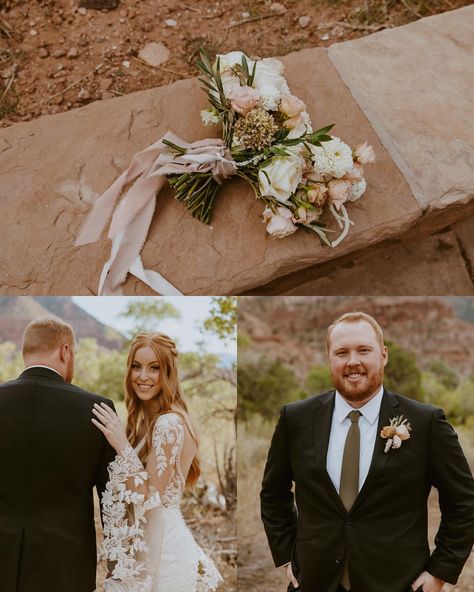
[267, 139]
[294, 170]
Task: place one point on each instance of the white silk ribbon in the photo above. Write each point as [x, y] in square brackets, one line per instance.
[132, 217]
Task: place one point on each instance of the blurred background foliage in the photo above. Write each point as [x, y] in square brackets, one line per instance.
[264, 384]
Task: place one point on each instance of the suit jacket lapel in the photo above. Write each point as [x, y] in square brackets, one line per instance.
[388, 409]
[322, 419]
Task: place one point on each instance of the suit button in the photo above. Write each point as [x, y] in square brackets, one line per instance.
[338, 559]
[348, 521]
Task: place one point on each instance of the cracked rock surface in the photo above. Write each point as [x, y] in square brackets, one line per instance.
[412, 84]
[55, 167]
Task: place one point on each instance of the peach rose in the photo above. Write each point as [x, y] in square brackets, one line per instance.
[388, 432]
[364, 153]
[243, 99]
[318, 194]
[292, 106]
[338, 192]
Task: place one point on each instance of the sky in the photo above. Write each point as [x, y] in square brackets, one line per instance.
[193, 309]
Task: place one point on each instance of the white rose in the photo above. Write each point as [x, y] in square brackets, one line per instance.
[227, 60]
[281, 177]
[402, 432]
[270, 83]
[229, 83]
[397, 442]
[280, 224]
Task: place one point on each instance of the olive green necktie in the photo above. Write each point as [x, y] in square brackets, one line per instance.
[349, 486]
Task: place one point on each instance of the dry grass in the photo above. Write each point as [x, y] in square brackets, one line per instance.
[255, 566]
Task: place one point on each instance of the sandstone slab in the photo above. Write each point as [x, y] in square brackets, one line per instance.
[415, 84]
[52, 170]
[434, 265]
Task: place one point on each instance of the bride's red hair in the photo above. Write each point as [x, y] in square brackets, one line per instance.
[170, 398]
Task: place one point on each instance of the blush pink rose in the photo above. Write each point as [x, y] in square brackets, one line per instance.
[356, 173]
[280, 224]
[338, 192]
[293, 122]
[243, 99]
[292, 106]
[364, 153]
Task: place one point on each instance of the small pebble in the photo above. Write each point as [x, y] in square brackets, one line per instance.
[277, 7]
[73, 52]
[82, 11]
[43, 52]
[33, 32]
[171, 23]
[304, 21]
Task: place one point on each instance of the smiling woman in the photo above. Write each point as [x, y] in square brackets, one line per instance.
[145, 373]
[157, 458]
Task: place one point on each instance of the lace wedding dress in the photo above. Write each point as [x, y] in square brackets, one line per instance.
[145, 536]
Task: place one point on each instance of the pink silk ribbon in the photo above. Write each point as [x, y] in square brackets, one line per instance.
[132, 217]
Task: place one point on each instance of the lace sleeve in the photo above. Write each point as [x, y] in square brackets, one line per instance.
[164, 465]
[131, 491]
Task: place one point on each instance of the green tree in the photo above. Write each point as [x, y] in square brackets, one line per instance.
[264, 387]
[318, 379]
[402, 373]
[11, 362]
[147, 314]
[222, 318]
[444, 373]
[100, 370]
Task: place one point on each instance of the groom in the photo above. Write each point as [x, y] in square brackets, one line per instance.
[51, 457]
[358, 517]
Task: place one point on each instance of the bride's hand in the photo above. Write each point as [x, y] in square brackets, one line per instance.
[109, 424]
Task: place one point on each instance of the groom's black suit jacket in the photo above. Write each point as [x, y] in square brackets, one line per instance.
[385, 532]
[51, 457]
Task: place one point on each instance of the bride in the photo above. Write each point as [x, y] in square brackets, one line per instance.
[147, 543]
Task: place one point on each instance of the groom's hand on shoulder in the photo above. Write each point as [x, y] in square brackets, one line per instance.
[427, 583]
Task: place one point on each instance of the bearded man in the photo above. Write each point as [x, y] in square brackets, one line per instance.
[363, 461]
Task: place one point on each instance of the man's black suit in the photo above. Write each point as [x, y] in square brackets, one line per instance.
[385, 532]
[51, 457]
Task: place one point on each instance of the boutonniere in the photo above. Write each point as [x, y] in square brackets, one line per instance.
[395, 433]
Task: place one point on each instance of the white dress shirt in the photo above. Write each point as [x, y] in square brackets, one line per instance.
[368, 423]
[43, 366]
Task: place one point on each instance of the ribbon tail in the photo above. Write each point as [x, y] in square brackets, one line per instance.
[153, 279]
[126, 247]
[101, 212]
[125, 258]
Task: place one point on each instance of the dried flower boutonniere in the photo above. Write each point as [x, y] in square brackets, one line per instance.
[395, 433]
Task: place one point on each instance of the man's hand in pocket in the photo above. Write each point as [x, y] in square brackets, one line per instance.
[427, 583]
[290, 576]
